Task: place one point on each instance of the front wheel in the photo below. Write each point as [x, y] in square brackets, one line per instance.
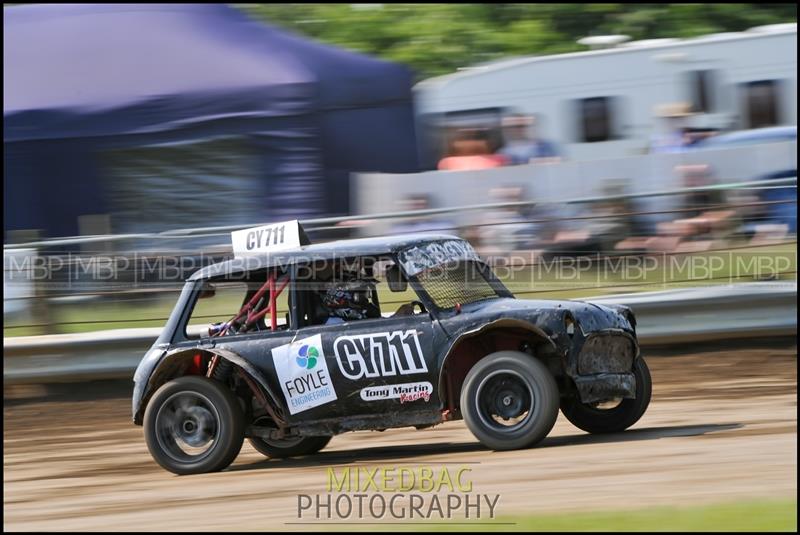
[194, 425]
[600, 418]
[509, 400]
[289, 447]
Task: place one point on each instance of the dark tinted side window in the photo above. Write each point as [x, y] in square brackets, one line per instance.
[595, 120]
[702, 91]
[761, 103]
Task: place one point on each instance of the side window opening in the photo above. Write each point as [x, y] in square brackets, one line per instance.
[233, 307]
[441, 130]
[487, 120]
[397, 295]
[337, 291]
[345, 290]
[761, 102]
[701, 91]
[595, 119]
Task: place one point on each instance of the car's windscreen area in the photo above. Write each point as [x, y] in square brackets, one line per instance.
[455, 283]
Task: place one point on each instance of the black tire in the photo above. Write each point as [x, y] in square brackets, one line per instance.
[616, 419]
[289, 448]
[187, 410]
[501, 385]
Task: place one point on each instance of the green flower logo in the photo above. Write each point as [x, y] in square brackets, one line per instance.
[307, 357]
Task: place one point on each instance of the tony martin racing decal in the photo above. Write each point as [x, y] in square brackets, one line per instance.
[379, 354]
[303, 374]
[405, 392]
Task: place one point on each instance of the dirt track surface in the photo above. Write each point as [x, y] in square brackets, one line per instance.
[722, 426]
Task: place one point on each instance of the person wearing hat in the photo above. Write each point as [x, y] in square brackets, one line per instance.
[521, 144]
[676, 138]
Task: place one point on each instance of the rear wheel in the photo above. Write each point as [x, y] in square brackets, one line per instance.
[509, 400]
[194, 425]
[616, 415]
[289, 447]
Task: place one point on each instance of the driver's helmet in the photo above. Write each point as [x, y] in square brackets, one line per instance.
[351, 300]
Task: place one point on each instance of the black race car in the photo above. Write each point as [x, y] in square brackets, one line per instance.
[373, 334]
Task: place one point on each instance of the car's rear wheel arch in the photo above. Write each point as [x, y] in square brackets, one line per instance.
[471, 347]
[179, 362]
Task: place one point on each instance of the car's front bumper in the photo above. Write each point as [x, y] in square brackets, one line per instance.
[605, 386]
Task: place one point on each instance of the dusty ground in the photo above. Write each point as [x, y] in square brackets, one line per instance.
[722, 427]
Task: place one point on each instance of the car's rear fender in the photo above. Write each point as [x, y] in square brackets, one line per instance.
[176, 362]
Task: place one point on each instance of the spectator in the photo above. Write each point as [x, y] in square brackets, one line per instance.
[784, 209]
[470, 150]
[419, 224]
[521, 143]
[504, 229]
[677, 136]
[774, 220]
[697, 176]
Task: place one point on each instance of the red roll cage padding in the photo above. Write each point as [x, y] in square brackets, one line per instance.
[197, 365]
[248, 307]
[274, 293]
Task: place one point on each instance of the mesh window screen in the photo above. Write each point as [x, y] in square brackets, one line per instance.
[453, 284]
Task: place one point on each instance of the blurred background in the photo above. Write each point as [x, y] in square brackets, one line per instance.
[544, 131]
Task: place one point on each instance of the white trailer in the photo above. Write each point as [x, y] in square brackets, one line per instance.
[600, 103]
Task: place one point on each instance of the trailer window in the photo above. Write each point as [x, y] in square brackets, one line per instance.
[761, 103]
[595, 119]
[701, 87]
[440, 130]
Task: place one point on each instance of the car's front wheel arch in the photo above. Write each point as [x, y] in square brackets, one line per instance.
[471, 347]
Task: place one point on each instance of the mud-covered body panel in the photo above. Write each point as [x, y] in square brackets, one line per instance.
[388, 372]
[551, 319]
[365, 360]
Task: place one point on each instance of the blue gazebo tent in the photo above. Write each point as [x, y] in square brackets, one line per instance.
[169, 116]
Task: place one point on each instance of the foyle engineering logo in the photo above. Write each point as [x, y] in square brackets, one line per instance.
[307, 357]
[303, 374]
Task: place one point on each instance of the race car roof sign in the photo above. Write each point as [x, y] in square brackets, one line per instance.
[268, 238]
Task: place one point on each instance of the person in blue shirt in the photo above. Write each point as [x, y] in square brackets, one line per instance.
[675, 136]
[522, 144]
